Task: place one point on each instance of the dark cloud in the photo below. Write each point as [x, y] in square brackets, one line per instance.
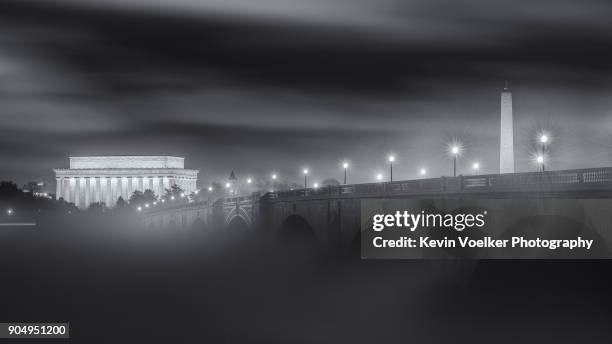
[288, 83]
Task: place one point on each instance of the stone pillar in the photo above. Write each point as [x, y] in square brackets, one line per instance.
[71, 186]
[125, 192]
[58, 188]
[87, 193]
[97, 189]
[105, 190]
[131, 185]
[155, 181]
[165, 183]
[113, 191]
[92, 189]
[66, 189]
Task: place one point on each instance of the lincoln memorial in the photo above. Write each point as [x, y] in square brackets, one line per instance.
[93, 179]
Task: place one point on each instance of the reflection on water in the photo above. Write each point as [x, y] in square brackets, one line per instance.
[116, 283]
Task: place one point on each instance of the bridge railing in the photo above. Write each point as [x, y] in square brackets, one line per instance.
[569, 180]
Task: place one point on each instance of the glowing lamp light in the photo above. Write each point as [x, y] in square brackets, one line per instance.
[210, 188]
[146, 205]
[139, 208]
[172, 198]
[540, 159]
[391, 158]
[345, 165]
[316, 185]
[249, 181]
[423, 172]
[9, 211]
[305, 171]
[163, 200]
[274, 176]
[228, 185]
[476, 166]
[182, 195]
[379, 176]
[543, 138]
[196, 192]
[455, 150]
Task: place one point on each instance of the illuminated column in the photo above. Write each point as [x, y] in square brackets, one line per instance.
[87, 193]
[66, 188]
[95, 189]
[113, 191]
[105, 190]
[160, 186]
[119, 188]
[72, 188]
[155, 181]
[140, 184]
[506, 138]
[75, 197]
[58, 188]
[93, 182]
[131, 185]
[125, 192]
[165, 183]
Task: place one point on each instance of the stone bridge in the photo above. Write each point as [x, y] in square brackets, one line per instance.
[333, 216]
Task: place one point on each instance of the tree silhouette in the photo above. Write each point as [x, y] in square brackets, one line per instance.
[139, 197]
[120, 203]
[174, 190]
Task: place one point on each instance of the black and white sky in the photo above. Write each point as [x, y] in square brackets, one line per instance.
[276, 85]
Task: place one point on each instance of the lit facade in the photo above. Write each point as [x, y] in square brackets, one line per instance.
[92, 179]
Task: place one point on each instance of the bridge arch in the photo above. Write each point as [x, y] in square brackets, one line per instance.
[237, 227]
[198, 224]
[295, 231]
[238, 213]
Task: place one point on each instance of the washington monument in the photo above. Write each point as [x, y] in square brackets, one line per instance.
[506, 137]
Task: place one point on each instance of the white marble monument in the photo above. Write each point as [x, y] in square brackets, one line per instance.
[506, 138]
[93, 179]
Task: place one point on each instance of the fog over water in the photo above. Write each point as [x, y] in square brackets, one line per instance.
[114, 282]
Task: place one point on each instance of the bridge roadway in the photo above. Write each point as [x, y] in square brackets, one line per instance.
[333, 215]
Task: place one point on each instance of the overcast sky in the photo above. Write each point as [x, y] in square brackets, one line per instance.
[275, 85]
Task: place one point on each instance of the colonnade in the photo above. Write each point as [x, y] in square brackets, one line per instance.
[85, 190]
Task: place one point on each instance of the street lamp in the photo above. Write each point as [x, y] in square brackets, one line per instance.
[543, 141]
[210, 189]
[305, 178]
[455, 150]
[316, 185]
[228, 185]
[476, 167]
[139, 208]
[379, 176]
[345, 165]
[9, 211]
[391, 160]
[273, 181]
[249, 181]
[540, 160]
[423, 172]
